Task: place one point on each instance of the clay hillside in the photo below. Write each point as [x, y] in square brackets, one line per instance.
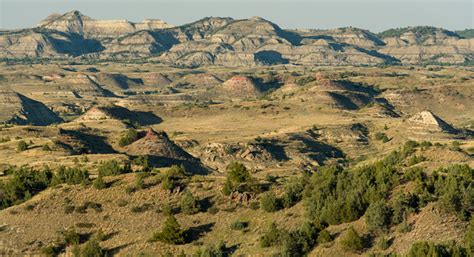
[226, 137]
[229, 42]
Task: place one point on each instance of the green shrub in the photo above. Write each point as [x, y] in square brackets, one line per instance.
[22, 185]
[188, 203]
[295, 243]
[402, 205]
[51, 250]
[236, 175]
[166, 209]
[352, 241]
[171, 232]
[110, 168]
[99, 183]
[415, 159]
[139, 180]
[68, 209]
[70, 176]
[129, 137]
[378, 216]
[71, 237]
[122, 203]
[213, 210]
[21, 146]
[92, 249]
[46, 148]
[304, 80]
[404, 227]
[452, 186]
[383, 243]
[218, 250]
[455, 146]
[381, 137]
[254, 205]
[428, 249]
[142, 161]
[173, 177]
[141, 208]
[324, 237]
[269, 202]
[273, 236]
[334, 195]
[239, 225]
[293, 192]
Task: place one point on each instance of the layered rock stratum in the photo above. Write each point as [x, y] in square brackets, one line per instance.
[229, 42]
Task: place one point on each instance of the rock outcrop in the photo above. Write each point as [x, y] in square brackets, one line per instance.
[240, 87]
[76, 22]
[161, 151]
[429, 122]
[229, 42]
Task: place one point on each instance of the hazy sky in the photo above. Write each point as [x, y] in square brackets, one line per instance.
[376, 15]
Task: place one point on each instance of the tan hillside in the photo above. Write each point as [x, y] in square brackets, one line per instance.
[428, 121]
[240, 87]
[18, 109]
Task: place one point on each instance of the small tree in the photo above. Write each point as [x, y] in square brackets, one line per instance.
[189, 204]
[99, 183]
[273, 236]
[92, 249]
[269, 202]
[129, 137]
[171, 232]
[237, 174]
[173, 176]
[46, 148]
[352, 241]
[22, 146]
[110, 168]
[378, 216]
[324, 237]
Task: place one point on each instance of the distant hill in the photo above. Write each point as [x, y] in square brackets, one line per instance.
[467, 33]
[229, 42]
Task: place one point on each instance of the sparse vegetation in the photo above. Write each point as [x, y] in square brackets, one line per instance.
[188, 203]
[23, 184]
[171, 233]
[99, 183]
[112, 168]
[382, 137]
[239, 225]
[269, 202]
[316, 150]
[129, 137]
[378, 216]
[70, 176]
[352, 241]
[236, 178]
[173, 177]
[21, 146]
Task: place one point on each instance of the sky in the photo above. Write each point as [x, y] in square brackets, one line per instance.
[375, 15]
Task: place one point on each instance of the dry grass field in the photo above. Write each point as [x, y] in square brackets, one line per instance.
[281, 122]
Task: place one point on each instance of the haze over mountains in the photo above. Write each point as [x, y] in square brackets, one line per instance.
[229, 42]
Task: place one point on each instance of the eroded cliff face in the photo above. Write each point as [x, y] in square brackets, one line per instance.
[439, 45]
[225, 41]
[19, 109]
[75, 22]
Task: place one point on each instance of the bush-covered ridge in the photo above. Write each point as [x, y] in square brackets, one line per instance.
[332, 195]
[419, 30]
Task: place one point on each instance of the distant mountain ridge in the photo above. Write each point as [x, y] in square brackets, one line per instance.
[229, 42]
